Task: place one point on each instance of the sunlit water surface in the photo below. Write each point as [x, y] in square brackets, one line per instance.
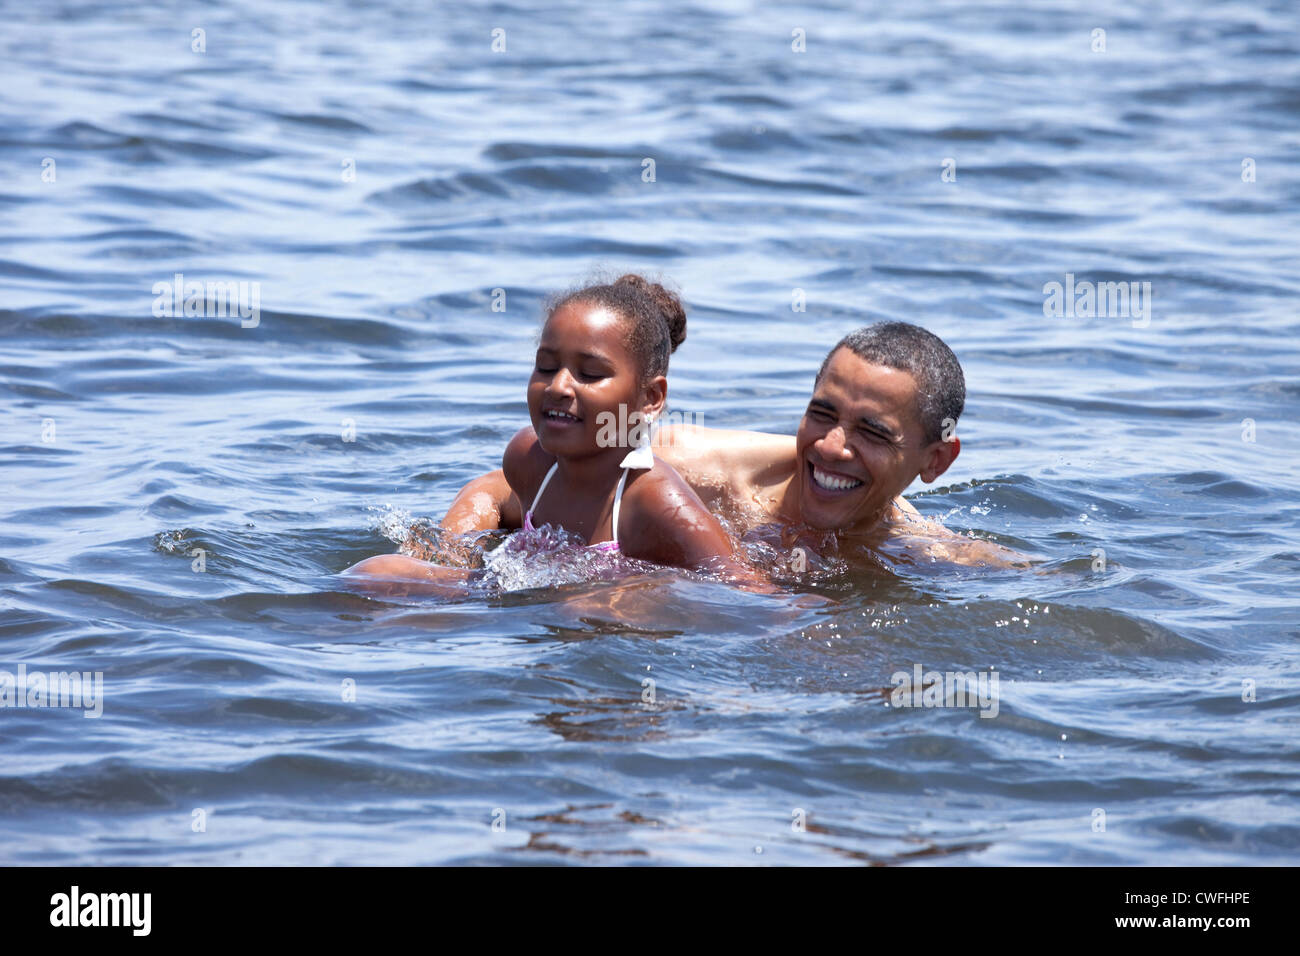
[379, 171]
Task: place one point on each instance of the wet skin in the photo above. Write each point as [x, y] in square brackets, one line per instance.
[861, 428]
[859, 445]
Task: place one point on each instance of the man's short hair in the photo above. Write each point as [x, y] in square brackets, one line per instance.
[940, 384]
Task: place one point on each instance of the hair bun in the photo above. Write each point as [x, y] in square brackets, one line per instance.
[670, 306]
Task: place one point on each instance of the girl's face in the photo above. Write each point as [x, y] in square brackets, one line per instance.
[584, 373]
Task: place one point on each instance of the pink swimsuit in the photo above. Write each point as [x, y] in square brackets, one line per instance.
[618, 497]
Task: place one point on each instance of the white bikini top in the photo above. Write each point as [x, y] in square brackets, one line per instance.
[639, 458]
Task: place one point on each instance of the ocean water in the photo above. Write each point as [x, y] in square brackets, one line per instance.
[180, 491]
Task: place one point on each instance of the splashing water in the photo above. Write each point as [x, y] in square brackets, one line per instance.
[545, 557]
[393, 523]
[548, 557]
[423, 539]
[788, 557]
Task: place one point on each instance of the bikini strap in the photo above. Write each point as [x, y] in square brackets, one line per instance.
[545, 481]
[618, 497]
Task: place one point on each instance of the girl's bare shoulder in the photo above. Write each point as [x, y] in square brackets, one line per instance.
[658, 488]
[663, 520]
[525, 463]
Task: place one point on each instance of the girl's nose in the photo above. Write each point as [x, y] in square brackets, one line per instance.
[561, 383]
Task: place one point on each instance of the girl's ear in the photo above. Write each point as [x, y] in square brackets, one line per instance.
[654, 395]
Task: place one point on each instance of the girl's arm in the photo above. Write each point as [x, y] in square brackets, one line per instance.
[663, 521]
[489, 501]
[485, 504]
[396, 575]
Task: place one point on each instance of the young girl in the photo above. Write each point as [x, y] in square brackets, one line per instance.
[586, 464]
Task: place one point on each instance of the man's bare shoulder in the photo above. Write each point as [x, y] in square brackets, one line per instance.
[748, 465]
[742, 457]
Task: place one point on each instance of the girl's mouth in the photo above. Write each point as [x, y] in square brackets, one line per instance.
[557, 417]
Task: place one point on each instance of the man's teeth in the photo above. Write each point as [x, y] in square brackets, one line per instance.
[832, 482]
[565, 416]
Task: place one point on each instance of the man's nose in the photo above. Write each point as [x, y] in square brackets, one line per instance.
[833, 445]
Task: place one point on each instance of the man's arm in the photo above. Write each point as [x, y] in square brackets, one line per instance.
[932, 539]
[725, 464]
[732, 461]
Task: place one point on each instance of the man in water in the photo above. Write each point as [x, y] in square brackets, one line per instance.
[883, 411]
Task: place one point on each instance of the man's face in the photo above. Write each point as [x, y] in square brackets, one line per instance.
[860, 444]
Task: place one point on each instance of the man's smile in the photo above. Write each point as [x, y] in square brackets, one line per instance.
[832, 482]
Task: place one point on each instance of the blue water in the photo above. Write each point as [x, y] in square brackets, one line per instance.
[378, 170]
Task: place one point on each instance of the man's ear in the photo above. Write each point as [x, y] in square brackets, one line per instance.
[654, 396]
[939, 456]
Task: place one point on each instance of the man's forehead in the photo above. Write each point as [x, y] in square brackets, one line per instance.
[852, 381]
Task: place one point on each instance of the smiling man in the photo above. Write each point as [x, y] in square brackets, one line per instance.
[883, 412]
